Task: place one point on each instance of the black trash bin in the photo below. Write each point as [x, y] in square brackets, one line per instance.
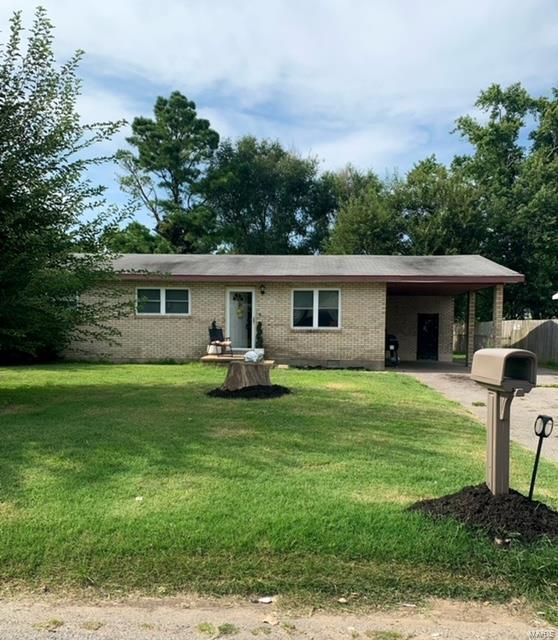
[392, 347]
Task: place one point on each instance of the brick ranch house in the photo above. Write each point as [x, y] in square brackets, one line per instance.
[326, 310]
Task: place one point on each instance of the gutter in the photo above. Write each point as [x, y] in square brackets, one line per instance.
[481, 280]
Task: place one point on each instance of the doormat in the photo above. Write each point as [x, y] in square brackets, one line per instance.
[257, 392]
[504, 517]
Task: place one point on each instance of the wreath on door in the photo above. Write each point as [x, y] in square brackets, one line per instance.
[240, 307]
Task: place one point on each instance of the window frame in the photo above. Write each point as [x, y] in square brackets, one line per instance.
[163, 300]
[315, 309]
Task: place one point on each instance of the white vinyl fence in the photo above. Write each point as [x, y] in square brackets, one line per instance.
[539, 336]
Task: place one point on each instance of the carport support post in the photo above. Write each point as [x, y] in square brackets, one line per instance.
[471, 314]
[497, 314]
[498, 442]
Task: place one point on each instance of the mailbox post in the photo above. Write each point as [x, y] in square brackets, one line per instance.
[505, 373]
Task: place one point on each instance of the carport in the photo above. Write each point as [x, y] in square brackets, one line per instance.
[421, 313]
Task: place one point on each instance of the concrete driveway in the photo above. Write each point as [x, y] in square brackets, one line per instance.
[454, 382]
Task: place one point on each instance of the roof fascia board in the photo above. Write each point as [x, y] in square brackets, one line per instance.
[503, 279]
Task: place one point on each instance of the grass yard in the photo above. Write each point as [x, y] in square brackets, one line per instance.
[130, 478]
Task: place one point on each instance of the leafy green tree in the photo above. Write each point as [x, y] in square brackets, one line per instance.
[136, 238]
[321, 212]
[44, 196]
[536, 195]
[498, 153]
[267, 199]
[166, 171]
[367, 224]
[350, 182]
[517, 190]
[438, 208]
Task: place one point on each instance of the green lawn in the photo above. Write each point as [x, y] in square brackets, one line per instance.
[304, 495]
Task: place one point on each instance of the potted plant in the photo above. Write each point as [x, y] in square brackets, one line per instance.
[259, 338]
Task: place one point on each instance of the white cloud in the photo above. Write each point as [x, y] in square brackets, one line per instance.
[352, 80]
[377, 147]
[96, 104]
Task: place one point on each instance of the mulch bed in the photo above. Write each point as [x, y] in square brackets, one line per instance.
[257, 392]
[508, 516]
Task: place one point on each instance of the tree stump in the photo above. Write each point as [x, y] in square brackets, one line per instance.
[247, 374]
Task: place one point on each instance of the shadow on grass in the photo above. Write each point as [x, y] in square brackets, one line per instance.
[94, 433]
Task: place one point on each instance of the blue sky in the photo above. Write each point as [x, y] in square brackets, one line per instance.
[370, 82]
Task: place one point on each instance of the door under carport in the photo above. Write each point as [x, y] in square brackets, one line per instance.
[428, 325]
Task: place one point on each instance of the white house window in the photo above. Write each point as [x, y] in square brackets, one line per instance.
[149, 301]
[316, 308]
[303, 309]
[328, 308]
[163, 302]
[177, 301]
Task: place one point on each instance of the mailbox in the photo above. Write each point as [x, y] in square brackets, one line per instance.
[505, 369]
[505, 373]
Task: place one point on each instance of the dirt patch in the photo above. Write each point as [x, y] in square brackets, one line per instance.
[257, 392]
[184, 618]
[511, 515]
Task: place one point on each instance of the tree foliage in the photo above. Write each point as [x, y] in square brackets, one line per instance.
[44, 200]
[537, 197]
[166, 172]
[367, 223]
[438, 211]
[515, 173]
[349, 182]
[136, 238]
[267, 199]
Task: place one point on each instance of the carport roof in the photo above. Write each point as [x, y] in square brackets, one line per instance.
[466, 270]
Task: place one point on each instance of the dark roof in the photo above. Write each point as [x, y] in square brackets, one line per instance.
[256, 268]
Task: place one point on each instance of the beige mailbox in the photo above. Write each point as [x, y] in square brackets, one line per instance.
[505, 372]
